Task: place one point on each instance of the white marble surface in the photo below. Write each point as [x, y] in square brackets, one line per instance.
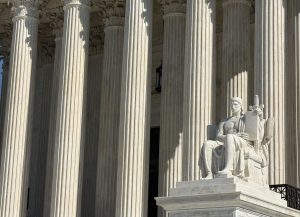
[107, 156]
[70, 119]
[199, 82]
[269, 77]
[232, 196]
[17, 122]
[236, 50]
[51, 133]
[170, 146]
[134, 125]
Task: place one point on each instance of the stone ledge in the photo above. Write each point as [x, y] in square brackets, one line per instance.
[232, 195]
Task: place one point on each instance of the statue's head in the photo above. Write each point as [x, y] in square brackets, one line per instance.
[236, 104]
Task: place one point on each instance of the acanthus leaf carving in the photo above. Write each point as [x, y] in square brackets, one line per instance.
[112, 12]
[56, 17]
[25, 8]
[96, 40]
[173, 6]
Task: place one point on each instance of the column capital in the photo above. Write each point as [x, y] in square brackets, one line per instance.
[113, 13]
[47, 48]
[245, 2]
[25, 9]
[56, 17]
[72, 3]
[113, 22]
[5, 41]
[173, 7]
[96, 39]
[5, 51]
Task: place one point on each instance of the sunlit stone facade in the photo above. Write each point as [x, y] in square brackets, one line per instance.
[88, 128]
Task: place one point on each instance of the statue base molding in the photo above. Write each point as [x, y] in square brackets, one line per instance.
[224, 197]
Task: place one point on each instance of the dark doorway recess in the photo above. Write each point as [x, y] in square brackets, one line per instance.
[153, 171]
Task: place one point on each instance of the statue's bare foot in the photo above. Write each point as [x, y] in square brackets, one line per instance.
[225, 172]
[209, 176]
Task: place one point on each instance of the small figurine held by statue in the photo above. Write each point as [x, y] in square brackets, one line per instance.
[241, 145]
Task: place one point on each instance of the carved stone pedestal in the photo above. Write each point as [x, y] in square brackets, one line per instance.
[224, 197]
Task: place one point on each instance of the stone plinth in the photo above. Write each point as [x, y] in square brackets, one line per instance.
[224, 197]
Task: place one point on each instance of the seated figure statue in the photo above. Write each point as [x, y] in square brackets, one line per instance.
[234, 145]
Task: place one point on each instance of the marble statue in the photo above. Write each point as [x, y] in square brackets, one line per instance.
[241, 145]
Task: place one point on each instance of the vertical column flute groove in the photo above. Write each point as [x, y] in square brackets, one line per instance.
[134, 128]
[170, 153]
[109, 117]
[14, 160]
[69, 136]
[269, 76]
[199, 82]
[236, 50]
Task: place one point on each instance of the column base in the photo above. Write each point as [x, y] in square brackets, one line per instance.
[224, 197]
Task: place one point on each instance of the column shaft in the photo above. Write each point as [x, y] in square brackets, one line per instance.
[14, 166]
[68, 152]
[134, 129]
[294, 157]
[109, 118]
[39, 135]
[269, 76]
[236, 51]
[89, 182]
[199, 82]
[52, 123]
[170, 154]
[5, 68]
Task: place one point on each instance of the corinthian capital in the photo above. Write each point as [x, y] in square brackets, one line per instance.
[56, 17]
[25, 8]
[112, 12]
[47, 50]
[69, 3]
[96, 39]
[5, 41]
[173, 6]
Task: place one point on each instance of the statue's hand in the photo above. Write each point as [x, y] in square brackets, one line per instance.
[259, 112]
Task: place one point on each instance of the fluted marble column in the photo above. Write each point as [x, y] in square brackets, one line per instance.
[92, 123]
[291, 135]
[170, 153]
[236, 51]
[199, 82]
[269, 76]
[39, 135]
[294, 157]
[134, 128]
[5, 39]
[68, 151]
[5, 68]
[53, 111]
[107, 164]
[14, 165]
